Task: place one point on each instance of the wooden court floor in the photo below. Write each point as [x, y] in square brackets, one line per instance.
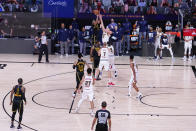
[168, 102]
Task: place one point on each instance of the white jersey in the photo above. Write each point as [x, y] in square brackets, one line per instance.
[111, 55]
[111, 50]
[158, 38]
[88, 83]
[188, 38]
[105, 37]
[104, 54]
[43, 40]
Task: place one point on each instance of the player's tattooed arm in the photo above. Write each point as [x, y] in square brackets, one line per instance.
[11, 96]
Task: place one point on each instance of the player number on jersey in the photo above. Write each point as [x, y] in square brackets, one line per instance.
[87, 83]
[104, 53]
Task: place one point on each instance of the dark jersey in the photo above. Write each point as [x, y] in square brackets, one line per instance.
[80, 65]
[95, 32]
[164, 40]
[102, 116]
[18, 94]
[95, 51]
[151, 36]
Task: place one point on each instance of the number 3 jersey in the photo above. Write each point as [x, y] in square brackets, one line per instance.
[88, 84]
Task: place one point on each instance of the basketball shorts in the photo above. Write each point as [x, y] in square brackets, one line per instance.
[165, 46]
[96, 63]
[87, 94]
[101, 127]
[132, 80]
[17, 106]
[104, 64]
[111, 63]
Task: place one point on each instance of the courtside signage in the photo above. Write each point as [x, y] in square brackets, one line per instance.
[58, 8]
[189, 32]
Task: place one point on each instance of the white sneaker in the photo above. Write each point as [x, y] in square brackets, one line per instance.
[184, 58]
[66, 55]
[139, 96]
[73, 95]
[189, 58]
[61, 56]
[92, 114]
[77, 110]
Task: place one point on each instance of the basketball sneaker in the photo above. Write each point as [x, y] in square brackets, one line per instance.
[111, 83]
[19, 127]
[74, 94]
[139, 96]
[184, 58]
[92, 114]
[77, 110]
[12, 126]
[115, 74]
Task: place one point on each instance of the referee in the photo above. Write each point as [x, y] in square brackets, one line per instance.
[102, 116]
[43, 47]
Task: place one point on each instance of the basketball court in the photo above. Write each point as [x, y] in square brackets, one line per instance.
[168, 88]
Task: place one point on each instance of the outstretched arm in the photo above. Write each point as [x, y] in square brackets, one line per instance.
[97, 19]
[102, 25]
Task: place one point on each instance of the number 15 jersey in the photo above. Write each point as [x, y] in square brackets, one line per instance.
[88, 83]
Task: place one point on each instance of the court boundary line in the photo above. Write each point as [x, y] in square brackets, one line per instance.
[155, 105]
[67, 63]
[194, 70]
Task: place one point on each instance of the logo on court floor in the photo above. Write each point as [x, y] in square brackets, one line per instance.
[2, 66]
